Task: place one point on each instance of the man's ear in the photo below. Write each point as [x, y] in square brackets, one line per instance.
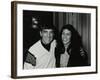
[40, 33]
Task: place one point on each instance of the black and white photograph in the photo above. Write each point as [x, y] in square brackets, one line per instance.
[70, 33]
[53, 39]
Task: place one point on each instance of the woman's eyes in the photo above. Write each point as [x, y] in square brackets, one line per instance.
[66, 34]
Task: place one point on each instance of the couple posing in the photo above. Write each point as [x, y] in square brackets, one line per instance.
[51, 53]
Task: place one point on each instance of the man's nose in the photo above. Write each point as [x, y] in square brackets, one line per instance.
[49, 34]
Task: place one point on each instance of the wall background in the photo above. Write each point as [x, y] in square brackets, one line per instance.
[5, 40]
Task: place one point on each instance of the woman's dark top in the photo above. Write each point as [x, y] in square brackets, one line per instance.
[78, 57]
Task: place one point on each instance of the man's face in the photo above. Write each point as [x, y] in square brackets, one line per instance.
[47, 35]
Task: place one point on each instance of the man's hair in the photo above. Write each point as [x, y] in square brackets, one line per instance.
[47, 26]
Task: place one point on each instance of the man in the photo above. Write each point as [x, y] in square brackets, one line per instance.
[42, 53]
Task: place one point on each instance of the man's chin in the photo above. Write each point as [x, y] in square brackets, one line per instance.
[47, 42]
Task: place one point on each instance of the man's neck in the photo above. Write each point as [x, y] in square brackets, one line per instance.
[46, 46]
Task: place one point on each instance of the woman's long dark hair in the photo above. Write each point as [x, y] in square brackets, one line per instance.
[76, 41]
[76, 59]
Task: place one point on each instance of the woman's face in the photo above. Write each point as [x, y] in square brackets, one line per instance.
[66, 36]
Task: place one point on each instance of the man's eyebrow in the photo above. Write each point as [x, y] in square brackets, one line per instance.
[47, 30]
[44, 30]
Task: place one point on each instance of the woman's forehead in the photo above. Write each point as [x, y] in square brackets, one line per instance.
[66, 30]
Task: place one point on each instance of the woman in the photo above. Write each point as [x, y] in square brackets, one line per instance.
[70, 51]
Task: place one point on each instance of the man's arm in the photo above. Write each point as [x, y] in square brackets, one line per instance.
[30, 58]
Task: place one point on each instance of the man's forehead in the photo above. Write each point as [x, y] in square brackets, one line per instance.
[47, 30]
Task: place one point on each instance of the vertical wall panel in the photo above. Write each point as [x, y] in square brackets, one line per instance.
[60, 20]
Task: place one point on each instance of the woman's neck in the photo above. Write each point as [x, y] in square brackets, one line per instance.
[66, 45]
